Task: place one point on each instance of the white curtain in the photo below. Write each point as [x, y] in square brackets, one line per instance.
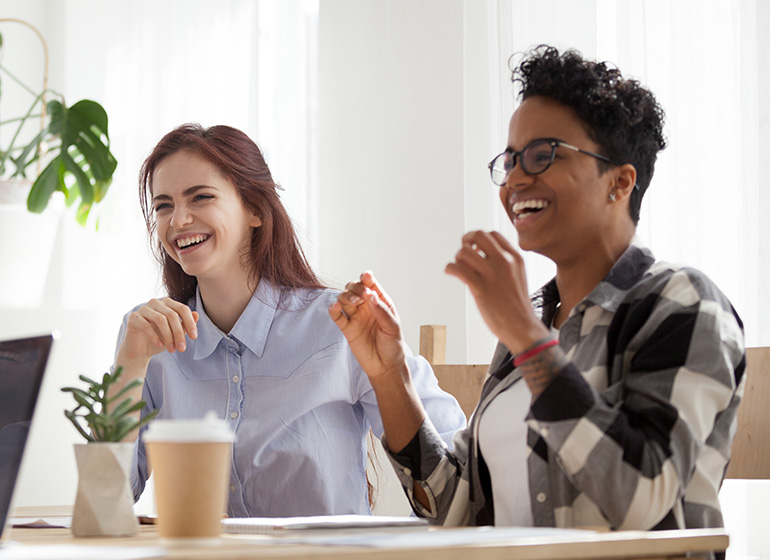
[708, 63]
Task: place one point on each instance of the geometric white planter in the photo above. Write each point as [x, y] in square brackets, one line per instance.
[26, 245]
[104, 506]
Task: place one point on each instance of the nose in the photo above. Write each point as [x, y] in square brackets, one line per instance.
[181, 217]
[518, 178]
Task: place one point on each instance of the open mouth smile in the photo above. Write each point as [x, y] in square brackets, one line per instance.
[527, 208]
[191, 241]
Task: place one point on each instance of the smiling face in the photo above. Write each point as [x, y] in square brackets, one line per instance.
[201, 220]
[565, 210]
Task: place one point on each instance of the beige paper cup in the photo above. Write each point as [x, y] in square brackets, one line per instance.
[190, 462]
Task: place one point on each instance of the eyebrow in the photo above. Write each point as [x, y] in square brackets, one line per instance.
[187, 192]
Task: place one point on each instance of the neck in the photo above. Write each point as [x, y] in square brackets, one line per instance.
[225, 301]
[577, 277]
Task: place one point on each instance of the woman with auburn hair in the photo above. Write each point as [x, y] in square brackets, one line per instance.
[244, 332]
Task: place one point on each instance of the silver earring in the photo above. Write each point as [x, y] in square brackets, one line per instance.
[612, 196]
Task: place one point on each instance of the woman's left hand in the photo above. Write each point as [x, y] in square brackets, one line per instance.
[494, 272]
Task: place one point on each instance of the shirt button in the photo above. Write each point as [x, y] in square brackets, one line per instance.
[408, 472]
[232, 488]
[545, 432]
[233, 415]
[541, 497]
[235, 378]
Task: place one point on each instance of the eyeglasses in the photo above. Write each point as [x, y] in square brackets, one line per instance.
[535, 157]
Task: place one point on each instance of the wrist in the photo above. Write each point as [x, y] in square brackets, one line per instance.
[395, 376]
[534, 350]
[132, 364]
[522, 341]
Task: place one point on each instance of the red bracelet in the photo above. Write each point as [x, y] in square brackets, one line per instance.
[524, 356]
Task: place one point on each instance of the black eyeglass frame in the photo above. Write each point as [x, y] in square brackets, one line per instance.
[553, 142]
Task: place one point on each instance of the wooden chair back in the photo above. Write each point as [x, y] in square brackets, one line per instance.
[751, 446]
[461, 381]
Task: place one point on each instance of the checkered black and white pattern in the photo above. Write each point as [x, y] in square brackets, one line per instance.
[634, 433]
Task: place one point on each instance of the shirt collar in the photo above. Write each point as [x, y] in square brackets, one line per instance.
[252, 326]
[632, 265]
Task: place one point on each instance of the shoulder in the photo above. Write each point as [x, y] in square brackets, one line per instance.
[305, 313]
[677, 306]
[307, 300]
[680, 286]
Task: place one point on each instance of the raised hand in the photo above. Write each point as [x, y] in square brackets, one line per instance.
[157, 326]
[494, 272]
[367, 317]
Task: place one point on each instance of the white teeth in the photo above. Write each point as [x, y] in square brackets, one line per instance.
[187, 241]
[532, 204]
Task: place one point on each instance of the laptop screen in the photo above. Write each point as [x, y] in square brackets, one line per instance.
[22, 363]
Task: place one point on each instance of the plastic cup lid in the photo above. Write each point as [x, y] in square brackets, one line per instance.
[210, 428]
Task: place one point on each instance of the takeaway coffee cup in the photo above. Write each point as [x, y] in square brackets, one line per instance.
[190, 462]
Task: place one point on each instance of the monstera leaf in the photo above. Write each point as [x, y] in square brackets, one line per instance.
[83, 153]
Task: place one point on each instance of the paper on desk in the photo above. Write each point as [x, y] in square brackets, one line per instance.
[317, 522]
[439, 538]
[41, 522]
[16, 551]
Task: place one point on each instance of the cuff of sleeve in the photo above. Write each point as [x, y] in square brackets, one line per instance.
[410, 456]
[421, 455]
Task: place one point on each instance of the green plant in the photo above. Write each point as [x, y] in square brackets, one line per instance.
[93, 409]
[72, 147]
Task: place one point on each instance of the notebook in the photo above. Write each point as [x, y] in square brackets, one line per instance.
[22, 364]
[316, 523]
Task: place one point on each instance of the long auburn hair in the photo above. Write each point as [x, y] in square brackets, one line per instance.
[275, 252]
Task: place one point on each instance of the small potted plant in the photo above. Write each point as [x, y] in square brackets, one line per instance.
[104, 502]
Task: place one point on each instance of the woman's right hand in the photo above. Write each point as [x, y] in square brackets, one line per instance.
[367, 317]
[157, 326]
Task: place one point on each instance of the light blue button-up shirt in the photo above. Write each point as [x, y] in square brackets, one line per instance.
[298, 401]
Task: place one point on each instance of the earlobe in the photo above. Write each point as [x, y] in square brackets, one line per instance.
[255, 221]
[624, 183]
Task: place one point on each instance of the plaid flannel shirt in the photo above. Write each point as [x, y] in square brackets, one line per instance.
[647, 451]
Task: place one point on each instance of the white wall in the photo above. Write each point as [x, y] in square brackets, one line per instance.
[391, 153]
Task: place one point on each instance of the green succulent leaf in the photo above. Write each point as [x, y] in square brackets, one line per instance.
[123, 408]
[73, 418]
[103, 424]
[93, 384]
[124, 390]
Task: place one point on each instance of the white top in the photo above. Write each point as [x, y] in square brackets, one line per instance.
[503, 443]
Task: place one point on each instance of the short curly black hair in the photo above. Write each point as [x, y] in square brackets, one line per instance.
[622, 116]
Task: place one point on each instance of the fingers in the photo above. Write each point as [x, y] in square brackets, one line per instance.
[352, 297]
[506, 246]
[383, 315]
[165, 322]
[339, 318]
[464, 273]
[369, 293]
[368, 280]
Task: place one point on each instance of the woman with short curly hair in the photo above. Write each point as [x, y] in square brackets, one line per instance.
[611, 398]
